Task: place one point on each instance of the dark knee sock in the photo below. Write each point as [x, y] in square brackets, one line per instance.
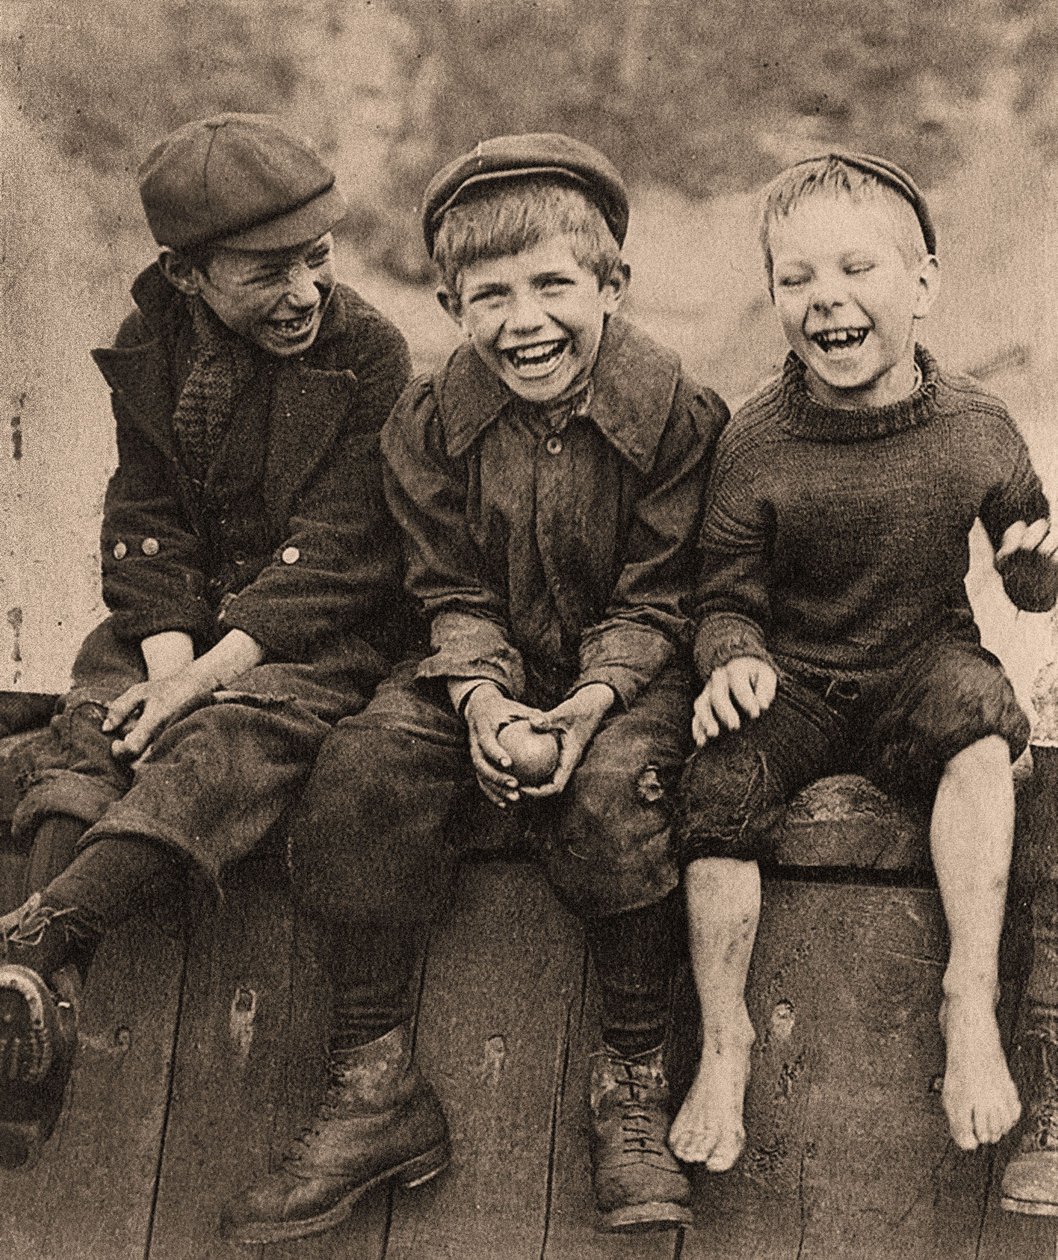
[1041, 989]
[634, 954]
[53, 850]
[372, 971]
[103, 885]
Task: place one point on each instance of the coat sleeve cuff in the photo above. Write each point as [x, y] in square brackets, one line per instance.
[466, 646]
[625, 657]
[724, 636]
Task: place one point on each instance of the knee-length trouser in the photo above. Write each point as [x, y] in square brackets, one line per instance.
[216, 781]
[393, 803]
[900, 726]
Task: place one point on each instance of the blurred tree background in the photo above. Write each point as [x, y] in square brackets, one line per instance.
[702, 98]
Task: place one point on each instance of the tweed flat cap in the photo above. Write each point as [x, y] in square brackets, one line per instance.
[240, 181]
[520, 157]
[896, 177]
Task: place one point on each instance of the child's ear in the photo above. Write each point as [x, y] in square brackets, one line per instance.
[615, 286]
[180, 272]
[928, 286]
[451, 305]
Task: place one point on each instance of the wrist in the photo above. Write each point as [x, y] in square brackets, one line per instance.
[595, 697]
[475, 690]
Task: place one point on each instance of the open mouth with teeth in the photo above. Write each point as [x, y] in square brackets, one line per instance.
[537, 359]
[830, 339]
[293, 329]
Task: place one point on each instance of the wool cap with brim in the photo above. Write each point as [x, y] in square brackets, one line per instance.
[506, 158]
[895, 177]
[238, 181]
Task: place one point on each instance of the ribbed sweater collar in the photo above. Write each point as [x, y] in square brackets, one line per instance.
[804, 416]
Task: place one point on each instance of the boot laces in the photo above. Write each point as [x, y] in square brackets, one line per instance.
[302, 1145]
[28, 924]
[640, 1127]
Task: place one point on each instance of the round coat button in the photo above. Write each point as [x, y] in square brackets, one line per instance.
[553, 445]
[120, 551]
[290, 555]
[149, 546]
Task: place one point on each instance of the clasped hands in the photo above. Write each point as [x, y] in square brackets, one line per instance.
[574, 723]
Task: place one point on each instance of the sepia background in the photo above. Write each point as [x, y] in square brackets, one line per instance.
[697, 103]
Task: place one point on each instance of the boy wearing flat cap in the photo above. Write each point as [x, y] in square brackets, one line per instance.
[548, 481]
[248, 566]
[835, 632]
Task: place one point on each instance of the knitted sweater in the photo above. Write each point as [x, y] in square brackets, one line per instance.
[839, 539]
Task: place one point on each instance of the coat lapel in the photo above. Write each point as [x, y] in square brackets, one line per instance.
[139, 378]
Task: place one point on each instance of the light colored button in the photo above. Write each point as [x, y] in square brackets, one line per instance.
[149, 546]
[553, 445]
[290, 555]
[120, 551]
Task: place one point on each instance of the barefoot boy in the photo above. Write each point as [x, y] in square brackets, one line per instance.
[248, 565]
[549, 484]
[835, 629]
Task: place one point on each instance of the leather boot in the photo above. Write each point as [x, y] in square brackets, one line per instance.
[380, 1121]
[1030, 1180]
[39, 1000]
[38, 1039]
[639, 1184]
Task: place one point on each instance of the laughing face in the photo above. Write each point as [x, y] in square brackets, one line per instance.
[848, 299]
[536, 317]
[274, 298]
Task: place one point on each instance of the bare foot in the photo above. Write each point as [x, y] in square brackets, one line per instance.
[980, 1098]
[708, 1129]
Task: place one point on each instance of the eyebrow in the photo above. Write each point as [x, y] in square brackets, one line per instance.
[284, 259]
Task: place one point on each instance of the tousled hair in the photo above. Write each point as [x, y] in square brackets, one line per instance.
[498, 220]
[830, 176]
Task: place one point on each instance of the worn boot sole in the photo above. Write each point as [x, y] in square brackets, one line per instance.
[29, 1026]
[642, 1218]
[1028, 1207]
[413, 1172]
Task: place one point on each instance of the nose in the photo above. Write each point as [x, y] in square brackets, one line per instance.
[525, 314]
[300, 290]
[827, 292]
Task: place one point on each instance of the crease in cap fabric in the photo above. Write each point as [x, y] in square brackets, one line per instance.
[239, 181]
[892, 175]
[504, 158]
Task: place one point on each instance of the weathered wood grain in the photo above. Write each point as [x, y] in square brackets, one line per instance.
[572, 1234]
[92, 1194]
[848, 1153]
[501, 976]
[250, 1070]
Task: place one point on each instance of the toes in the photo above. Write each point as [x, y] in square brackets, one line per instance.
[692, 1145]
[960, 1122]
[725, 1154]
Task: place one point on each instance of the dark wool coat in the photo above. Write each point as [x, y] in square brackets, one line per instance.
[289, 538]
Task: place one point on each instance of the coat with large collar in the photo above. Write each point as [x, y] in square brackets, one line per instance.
[289, 538]
[564, 555]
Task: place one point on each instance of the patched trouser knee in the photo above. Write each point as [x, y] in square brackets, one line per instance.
[610, 849]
